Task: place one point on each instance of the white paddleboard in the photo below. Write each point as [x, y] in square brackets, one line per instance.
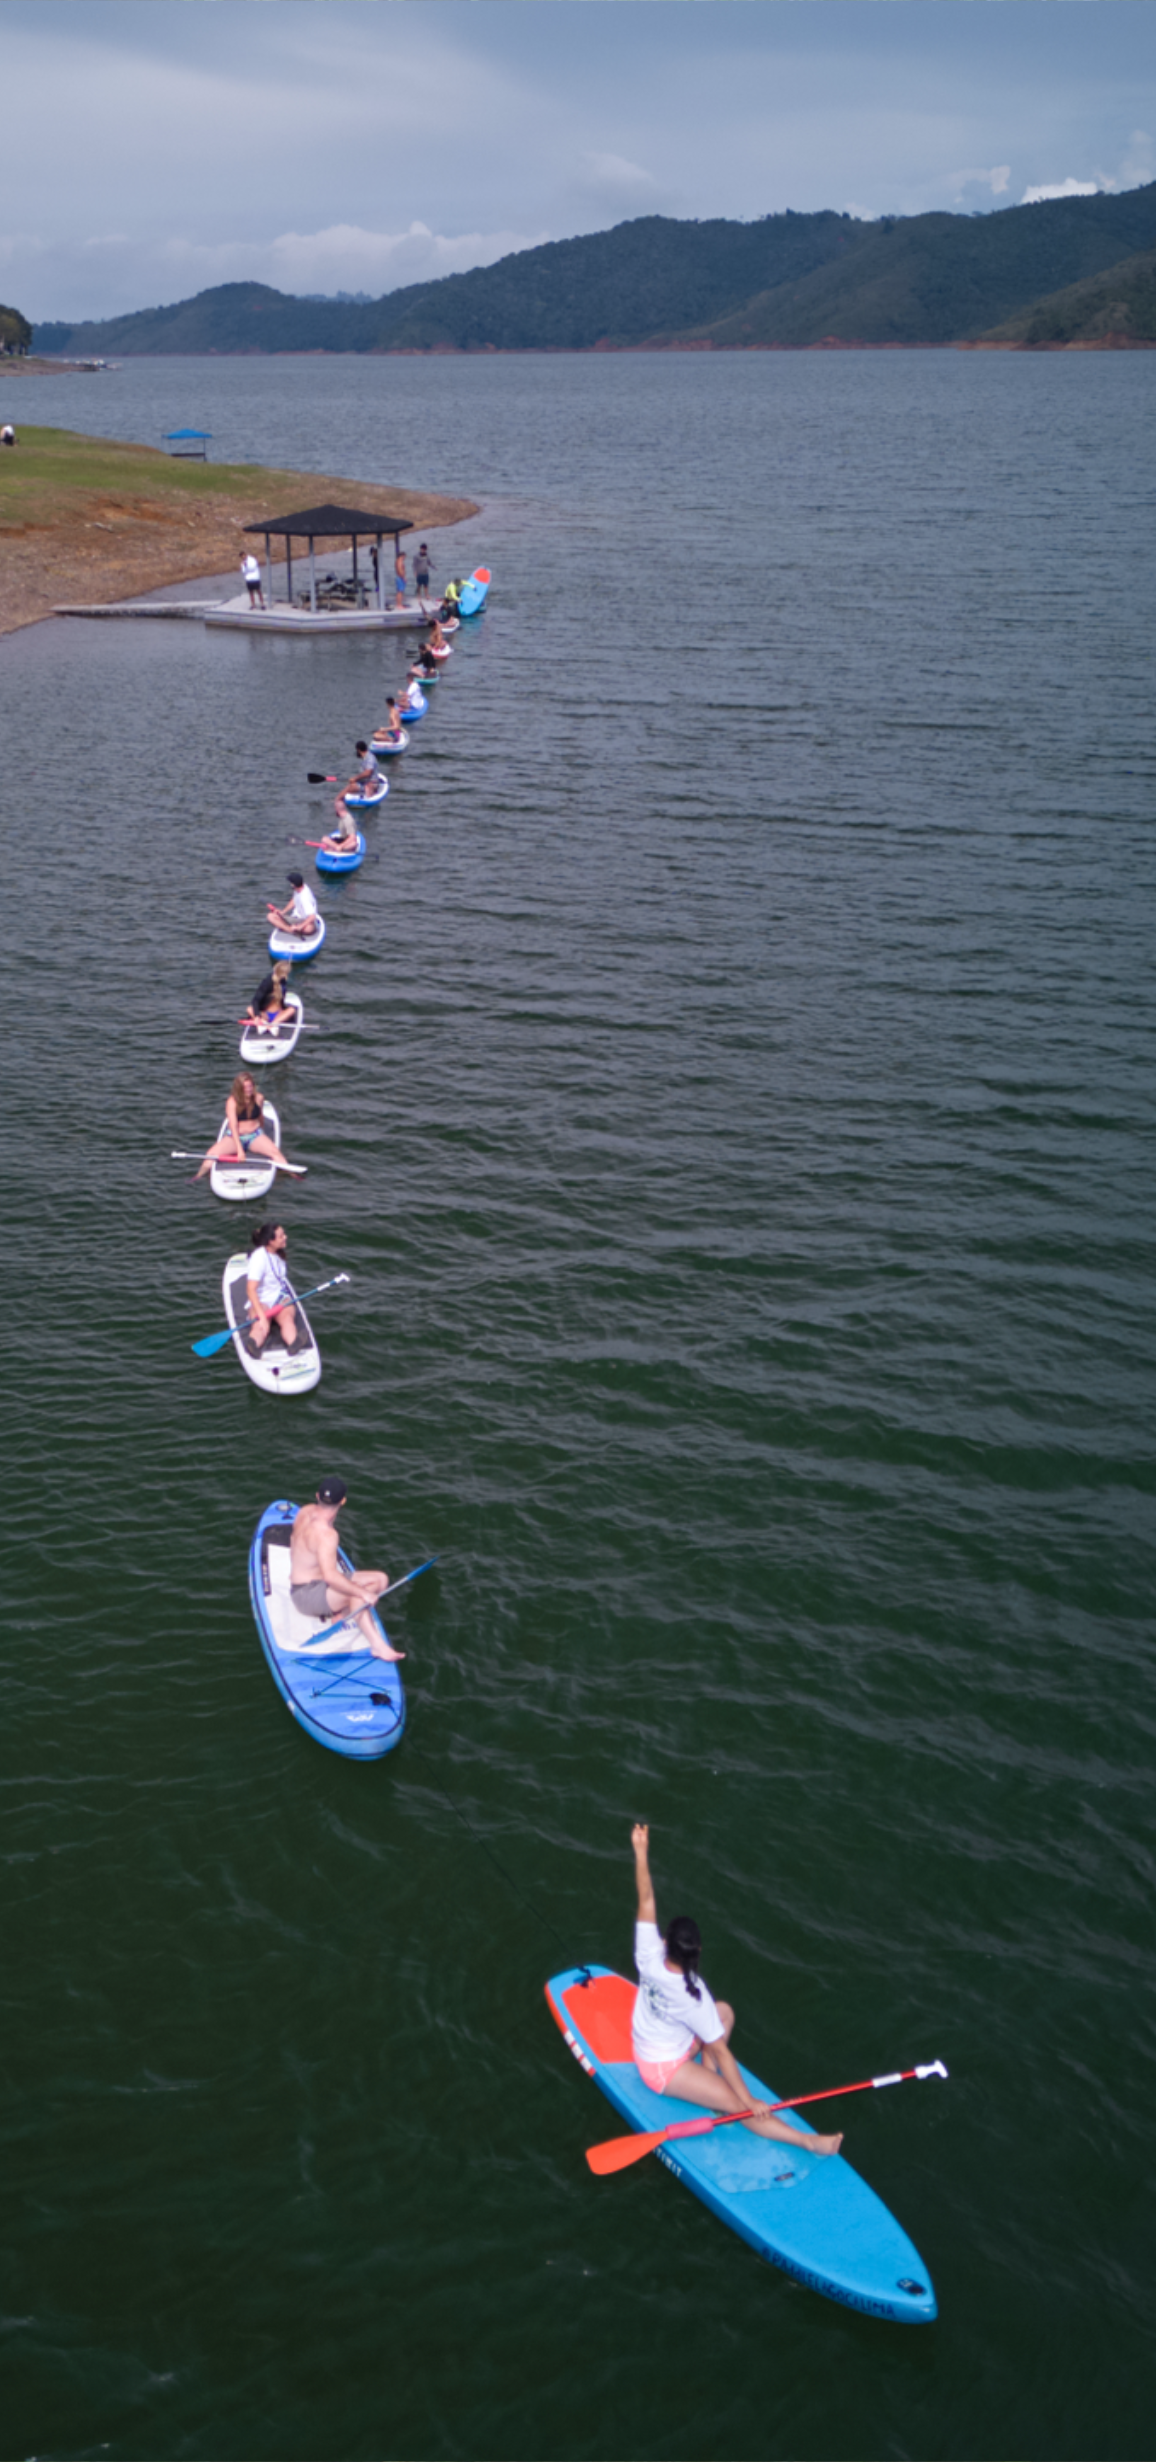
[259, 1047]
[290, 944]
[273, 1368]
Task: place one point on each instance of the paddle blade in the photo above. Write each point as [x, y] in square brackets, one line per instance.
[320, 777]
[617, 2153]
[210, 1344]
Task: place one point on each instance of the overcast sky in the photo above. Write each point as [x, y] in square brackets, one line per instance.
[149, 148]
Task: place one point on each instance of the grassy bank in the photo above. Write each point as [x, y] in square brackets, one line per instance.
[84, 520]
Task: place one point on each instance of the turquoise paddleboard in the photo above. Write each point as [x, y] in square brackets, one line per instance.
[808, 2213]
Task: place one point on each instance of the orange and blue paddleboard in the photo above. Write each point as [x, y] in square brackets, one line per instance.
[811, 2214]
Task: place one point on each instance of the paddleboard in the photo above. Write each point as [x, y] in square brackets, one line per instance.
[368, 803]
[473, 596]
[341, 863]
[274, 1368]
[346, 1699]
[255, 1176]
[383, 748]
[445, 650]
[259, 1048]
[287, 944]
[810, 2214]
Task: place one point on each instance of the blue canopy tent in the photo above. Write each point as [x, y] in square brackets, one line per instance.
[187, 444]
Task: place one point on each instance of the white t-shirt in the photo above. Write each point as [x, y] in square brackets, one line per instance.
[268, 1271]
[302, 904]
[666, 2018]
[250, 568]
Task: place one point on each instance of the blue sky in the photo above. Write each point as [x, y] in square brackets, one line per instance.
[152, 147]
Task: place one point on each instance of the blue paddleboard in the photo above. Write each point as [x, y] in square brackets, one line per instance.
[291, 945]
[473, 593]
[344, 1698]
[327, 862]
[368, 803]
[808, 2213]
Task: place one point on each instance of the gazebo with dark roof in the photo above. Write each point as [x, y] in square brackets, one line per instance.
[326, 521]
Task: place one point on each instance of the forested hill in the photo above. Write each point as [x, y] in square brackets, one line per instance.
[790, 279]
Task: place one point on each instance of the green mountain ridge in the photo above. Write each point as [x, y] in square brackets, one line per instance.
[1118, 306]
[788, 281]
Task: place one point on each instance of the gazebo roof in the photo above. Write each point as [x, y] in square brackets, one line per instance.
[330, 521]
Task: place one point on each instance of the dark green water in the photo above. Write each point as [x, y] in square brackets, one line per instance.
[735, 1110]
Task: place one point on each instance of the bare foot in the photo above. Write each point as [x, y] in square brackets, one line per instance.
[827, 2145]
[383, 1650]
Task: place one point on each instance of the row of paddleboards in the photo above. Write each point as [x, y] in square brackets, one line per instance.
[812, 2216]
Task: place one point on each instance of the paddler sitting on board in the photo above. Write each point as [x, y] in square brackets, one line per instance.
[437, 645]
[680, 2036]
[244, 1135]
[343, 839]
[318, 1583]
[270, 1290]
[424, 665]
[366, 778]
[268, 1007]
[391, 731]
[300, 917]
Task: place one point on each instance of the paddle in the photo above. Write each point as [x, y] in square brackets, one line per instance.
[210, 1344]
[616, 2153]
[240, 1161]
[342, 1621]
[321, 777]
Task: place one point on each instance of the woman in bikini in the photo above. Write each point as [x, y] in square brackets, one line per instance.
[680, 2036]
[244, 1134]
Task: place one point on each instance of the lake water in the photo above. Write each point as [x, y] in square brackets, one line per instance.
[735, 1111]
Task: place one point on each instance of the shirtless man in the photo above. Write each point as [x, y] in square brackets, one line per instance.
[317, 1584]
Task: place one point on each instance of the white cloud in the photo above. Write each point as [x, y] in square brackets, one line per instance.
[613, 171]
[1061, 188]
[344, 257]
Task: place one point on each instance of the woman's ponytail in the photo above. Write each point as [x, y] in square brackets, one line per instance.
[684, 1946]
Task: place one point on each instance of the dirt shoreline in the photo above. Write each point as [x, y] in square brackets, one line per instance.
[84, 521]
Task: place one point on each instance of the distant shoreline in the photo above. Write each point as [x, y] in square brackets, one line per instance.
[592, 350]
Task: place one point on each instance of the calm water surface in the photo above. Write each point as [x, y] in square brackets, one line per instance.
[735, 1111]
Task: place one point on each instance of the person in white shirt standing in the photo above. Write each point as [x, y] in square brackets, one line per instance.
[251, 576]
[300, 916]
[271, 1293]
[680, 2035]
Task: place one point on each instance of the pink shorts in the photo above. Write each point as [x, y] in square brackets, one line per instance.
[657, 2074]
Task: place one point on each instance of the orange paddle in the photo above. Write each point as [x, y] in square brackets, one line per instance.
[616, 2153]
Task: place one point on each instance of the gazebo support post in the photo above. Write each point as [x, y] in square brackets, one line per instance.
[313, 574]
[380, 576]
[289, 566]
[355, 568]
[268, 572]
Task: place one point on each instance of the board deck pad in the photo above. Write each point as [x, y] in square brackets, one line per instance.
[810, 2214]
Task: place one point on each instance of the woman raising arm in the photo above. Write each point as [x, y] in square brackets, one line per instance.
[681, 2037]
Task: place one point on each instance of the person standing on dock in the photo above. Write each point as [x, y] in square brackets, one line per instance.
[421, 570]
[399, 574]
[251, 576]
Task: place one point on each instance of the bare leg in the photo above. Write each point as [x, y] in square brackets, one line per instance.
[702, 2085]
[364, 1590]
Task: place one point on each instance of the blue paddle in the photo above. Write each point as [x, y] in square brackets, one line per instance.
[210, 1344]
[342, 1621]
